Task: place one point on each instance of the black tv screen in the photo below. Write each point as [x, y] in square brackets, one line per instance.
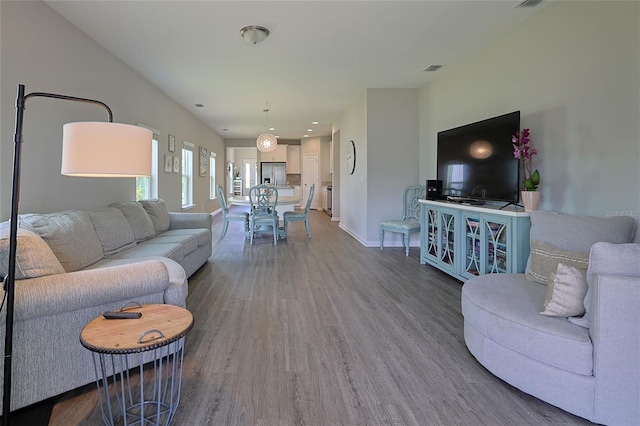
[476, 160]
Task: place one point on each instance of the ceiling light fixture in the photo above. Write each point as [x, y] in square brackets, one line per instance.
[254, 34]
[266, 142]
[432, 68]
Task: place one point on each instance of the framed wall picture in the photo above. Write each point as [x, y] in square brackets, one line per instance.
[204, 161]
[176, 164]
[168, 163]
[172, 143]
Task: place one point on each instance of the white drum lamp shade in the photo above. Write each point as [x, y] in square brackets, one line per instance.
[104, 149]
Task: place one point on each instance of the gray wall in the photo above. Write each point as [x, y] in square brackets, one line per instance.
[46, 53]
[573, 71]
[383, 123]
[393, 156]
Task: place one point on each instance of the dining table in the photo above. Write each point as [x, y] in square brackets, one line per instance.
[285, 202]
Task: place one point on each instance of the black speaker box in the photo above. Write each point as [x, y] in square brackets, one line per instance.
[434, 189]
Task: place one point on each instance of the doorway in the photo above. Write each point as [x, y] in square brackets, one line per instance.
[250, 174]
[309, 177]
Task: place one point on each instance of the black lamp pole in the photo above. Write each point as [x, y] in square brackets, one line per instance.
[9, 282]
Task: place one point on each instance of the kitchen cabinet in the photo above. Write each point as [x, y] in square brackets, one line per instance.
[280, 154]
[466, 241]
[293, 159]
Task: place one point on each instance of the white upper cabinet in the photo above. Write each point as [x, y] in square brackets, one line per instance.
[293, 159]
[280, 154]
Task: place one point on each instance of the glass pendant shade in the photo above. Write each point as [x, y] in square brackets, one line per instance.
[266, 142]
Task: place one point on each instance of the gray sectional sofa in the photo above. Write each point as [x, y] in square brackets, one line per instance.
[72, 266]
[583, 354]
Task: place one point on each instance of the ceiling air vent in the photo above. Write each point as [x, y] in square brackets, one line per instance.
[433, 68]
[528, 3]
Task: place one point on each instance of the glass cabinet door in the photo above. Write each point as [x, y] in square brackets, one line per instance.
[486, 245]
[498, 260]
[432, 234]
[472, 244]
[439, 240]
[447, 238]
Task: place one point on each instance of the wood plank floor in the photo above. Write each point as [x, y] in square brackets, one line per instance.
[324, 331]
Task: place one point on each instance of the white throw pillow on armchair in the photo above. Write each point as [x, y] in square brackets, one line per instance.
[565, 292]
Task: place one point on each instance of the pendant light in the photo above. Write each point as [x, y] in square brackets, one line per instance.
[266, 142]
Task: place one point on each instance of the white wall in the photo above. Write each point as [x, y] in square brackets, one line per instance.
[46, 53]
[573, 71]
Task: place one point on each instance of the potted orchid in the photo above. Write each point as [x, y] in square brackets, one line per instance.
[524, 151]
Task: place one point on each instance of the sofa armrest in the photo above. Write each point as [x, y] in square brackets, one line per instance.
[615, 332]
[53, 294]
[190, 220]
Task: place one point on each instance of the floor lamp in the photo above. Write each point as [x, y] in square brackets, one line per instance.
[91, 149]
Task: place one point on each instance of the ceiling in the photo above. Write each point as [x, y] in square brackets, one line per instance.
[319, 58]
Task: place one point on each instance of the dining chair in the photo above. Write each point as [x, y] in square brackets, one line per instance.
[228, 216]
[410, 222]
[263, 200]
[299, 216]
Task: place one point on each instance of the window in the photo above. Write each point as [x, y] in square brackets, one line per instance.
[147, 186]
[187, 174]
[212, 175]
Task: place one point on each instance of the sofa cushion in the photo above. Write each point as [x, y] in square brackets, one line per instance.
[157, 210]
[34, 257]
[149, 248]
[189, 242]
[203, 235]
[578, 233]
[138, 218]
[70, 235]
[504, 308]
[571, 235]
[612, 259]
[113, 229]
[565, 292]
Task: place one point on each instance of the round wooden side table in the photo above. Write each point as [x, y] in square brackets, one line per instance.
[131, 392]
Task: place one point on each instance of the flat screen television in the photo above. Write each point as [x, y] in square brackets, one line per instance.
[476, 160]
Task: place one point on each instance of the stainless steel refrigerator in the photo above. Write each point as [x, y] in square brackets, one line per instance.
[273, 173]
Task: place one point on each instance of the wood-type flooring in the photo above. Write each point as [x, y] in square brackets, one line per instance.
[325, 331]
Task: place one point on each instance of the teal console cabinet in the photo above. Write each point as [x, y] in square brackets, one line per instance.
[465, 241]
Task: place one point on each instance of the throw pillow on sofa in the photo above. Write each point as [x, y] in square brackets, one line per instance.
[544, 260]
[34, 257]
[565, 292]
[562, 236]
[113, 229]
[138, 219]
[157, 210]
[70, 235]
